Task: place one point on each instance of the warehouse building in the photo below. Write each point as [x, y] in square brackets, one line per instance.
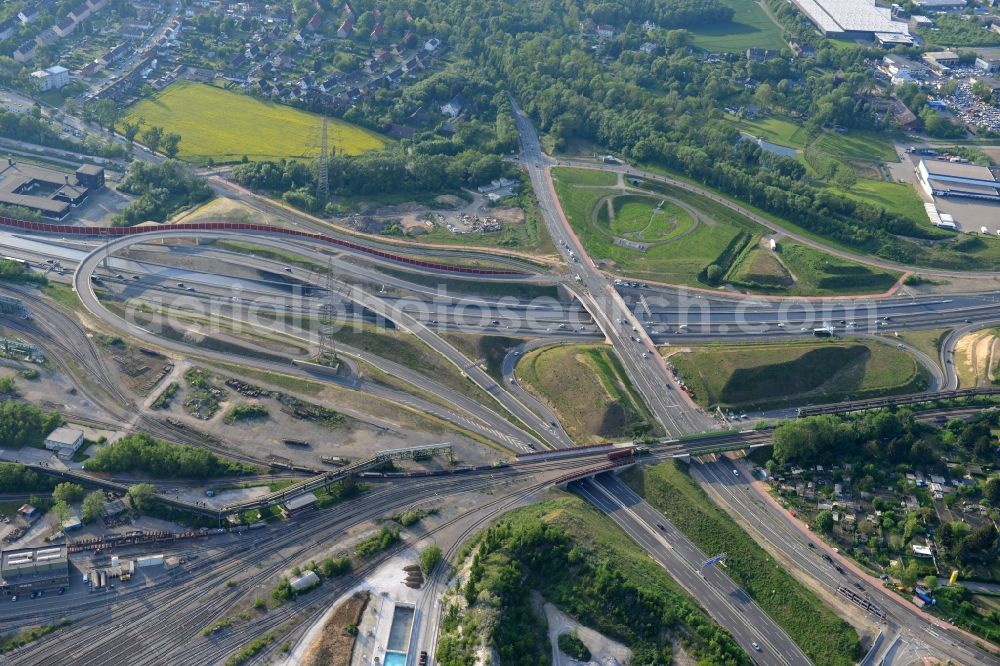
[855, 19]
[940, 5]
[64, 441]
[51, 194]
[300, 504]
[29, 569]
[951, 179]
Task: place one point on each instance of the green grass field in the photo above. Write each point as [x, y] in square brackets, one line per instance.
[825, 638]
[588, 389]
[776, 129]
[899, 198]
[770, 375]
[223, 125]
[644, 219]
[750, 26]
[678, 261]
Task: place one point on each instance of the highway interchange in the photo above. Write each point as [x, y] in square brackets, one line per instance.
[635, 320]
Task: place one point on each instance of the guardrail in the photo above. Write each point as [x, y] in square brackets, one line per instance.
[117, 232]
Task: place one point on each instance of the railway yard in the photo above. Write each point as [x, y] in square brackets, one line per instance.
[348, 419]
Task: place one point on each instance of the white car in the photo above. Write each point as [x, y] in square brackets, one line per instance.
[736, 472]
[755, 646]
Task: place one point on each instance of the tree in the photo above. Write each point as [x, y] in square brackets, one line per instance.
[982, 91]
[68, 492]
[142, 495]
[131, 129]
[93, 506]
[844, 177]
[152, 138]
[992, 491]
[430, 558]
[171, 143]
[61, 512]
[824, 521]
[713, 274]
[678, 39]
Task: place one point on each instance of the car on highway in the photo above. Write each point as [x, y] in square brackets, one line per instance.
[736, 472]
[661, 527]
[811, 544]
[14, 598]
[755, 646]
[180, 284]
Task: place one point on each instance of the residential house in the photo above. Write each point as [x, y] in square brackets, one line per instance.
[9, 27]
[80, 13]
[64, 27]
[346, 28]
[453, 107]
[604, 31]
[26, 51]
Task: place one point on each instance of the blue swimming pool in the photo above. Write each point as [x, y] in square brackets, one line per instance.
[399, 631]
[394, 659]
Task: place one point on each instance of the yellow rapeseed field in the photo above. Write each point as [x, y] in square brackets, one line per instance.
[223, 125]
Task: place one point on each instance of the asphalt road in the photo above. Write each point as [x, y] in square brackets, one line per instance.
[636, 351]
[774, 526]
[729, 605]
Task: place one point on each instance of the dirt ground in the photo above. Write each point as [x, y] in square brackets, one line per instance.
[52, 391]
[976, 357]
[335, 646]
[603, 650]
[452, 213]
[367, 425]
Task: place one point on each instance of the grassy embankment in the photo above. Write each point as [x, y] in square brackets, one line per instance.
[588, 389]
[826, 639]
[766, 376]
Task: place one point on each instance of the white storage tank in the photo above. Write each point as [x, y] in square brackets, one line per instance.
[149, 561]
[305, 581]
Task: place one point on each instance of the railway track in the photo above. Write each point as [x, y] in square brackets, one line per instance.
[190, 612]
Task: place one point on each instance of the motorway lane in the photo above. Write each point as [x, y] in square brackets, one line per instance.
[729, 605]
[773, 525]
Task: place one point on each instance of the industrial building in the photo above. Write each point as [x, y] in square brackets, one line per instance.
[64, 441]
[52, 194]
[951, 179]
[299, 504]
[940, 5]
[855, 19]
[29, 569]
[988, 61]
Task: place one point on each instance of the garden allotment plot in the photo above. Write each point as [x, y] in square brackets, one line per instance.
[224, 126]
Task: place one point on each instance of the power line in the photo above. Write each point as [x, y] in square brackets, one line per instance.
[323, 175]
[327, 342]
